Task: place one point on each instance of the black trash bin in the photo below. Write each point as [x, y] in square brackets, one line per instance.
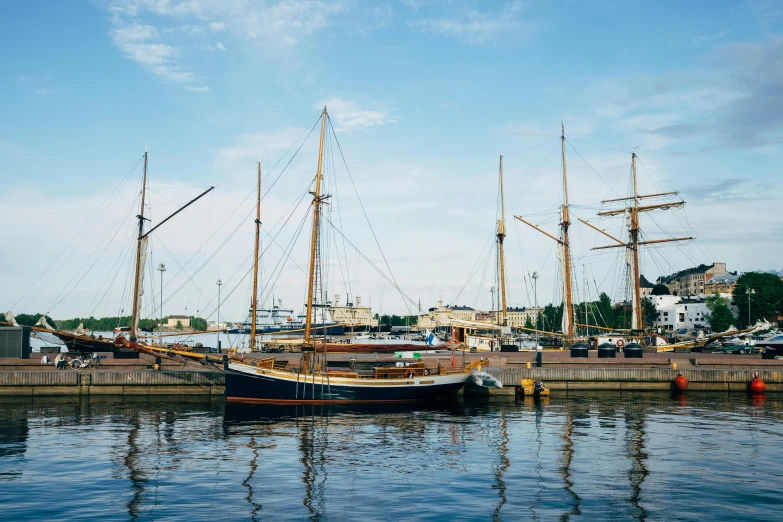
[579, 350]
[633, 351]
[607, 351]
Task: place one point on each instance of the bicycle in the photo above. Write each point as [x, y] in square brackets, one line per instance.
[77, 363]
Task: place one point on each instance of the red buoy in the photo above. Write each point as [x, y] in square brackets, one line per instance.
[757, 385]
[680, 383]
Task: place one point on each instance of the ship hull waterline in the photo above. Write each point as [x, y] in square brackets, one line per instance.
[247, 384]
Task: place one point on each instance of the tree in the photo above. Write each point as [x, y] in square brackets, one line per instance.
[179, 325]
[649, 312]
[660, 289]
[605, 315]
[764, 303]
[528, 322]
[30, 320]
[198, 324]
[720, 317]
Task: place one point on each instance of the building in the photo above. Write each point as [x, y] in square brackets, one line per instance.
[353, 313]
[441, 316]
[686, 314]
[678, 313]
[721, 283]
[184, 320]
[516, 317]
[645, 286]
[692, 280]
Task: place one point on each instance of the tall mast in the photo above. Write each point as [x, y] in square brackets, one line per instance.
[632, 246]
[568, 330]
[501, 236]
[141, 244]
[637, 322]
[254, 304]
[314, 236]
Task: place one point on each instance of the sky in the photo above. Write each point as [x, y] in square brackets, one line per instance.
[423, 96]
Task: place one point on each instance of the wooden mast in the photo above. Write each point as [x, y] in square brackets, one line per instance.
[139, 242]
[563, 242]
[637, 323]
[501, 236]
[314, 235]
[567, 306]
[637, 320]
[254, 304]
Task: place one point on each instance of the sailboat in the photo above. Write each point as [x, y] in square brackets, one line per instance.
[563, 251]
[80, 339]
[269, 381]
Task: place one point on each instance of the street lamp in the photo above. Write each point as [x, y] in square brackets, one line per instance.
[219, 283]
[535, 303]
[161, 269]
[750, 292]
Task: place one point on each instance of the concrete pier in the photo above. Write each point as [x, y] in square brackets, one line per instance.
[126, 382]
[641, 379]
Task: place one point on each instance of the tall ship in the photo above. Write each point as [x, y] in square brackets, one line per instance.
[312, 380]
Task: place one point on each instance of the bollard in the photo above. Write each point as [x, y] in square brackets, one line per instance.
[528, 365]
[539, 359]
[674, 365]
[633, 351]
[579, 350]
[607, 351]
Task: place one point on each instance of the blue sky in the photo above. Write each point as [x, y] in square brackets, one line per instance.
[423, 94]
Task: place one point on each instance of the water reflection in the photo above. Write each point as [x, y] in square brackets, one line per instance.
[594, 455]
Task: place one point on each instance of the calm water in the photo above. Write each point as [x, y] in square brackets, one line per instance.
[590, 457]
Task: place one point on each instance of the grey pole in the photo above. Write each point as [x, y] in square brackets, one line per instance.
[219, 283]
[161, 269]
[535, 302]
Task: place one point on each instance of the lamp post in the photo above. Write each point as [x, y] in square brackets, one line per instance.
[535, 303]
[219, 283]
[161, 269]
[750, 292]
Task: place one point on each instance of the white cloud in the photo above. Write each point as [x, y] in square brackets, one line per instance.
[472, 26]
[276, 26]
[347, 114]
[160, 59]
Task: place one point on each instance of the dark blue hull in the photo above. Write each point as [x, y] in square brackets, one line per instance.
[241, 387]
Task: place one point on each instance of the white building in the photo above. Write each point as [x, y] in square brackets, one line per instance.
[676, 313]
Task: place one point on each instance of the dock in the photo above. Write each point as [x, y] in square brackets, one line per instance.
[560, 372]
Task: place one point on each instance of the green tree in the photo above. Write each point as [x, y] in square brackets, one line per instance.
[720, 317]
[198, 324]
[764, 303]
[179, 325]
[31, 319]
[604, 311]
[553, 318]
[528, 323]
[650, 314]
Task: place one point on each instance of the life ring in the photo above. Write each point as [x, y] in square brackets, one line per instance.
[409, 374]
[620, 343]
[426, 372]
